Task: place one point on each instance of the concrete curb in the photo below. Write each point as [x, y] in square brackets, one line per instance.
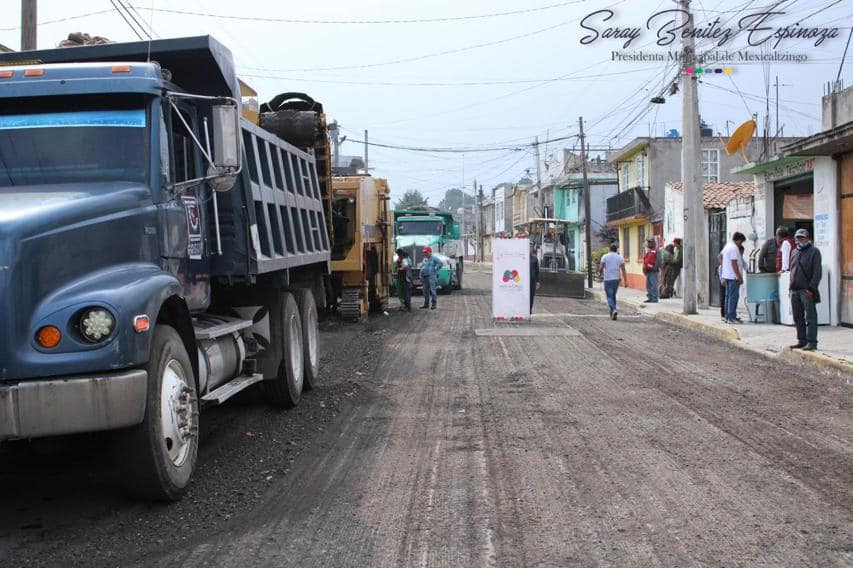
[682, 320]
[823, 362]
[817, 360]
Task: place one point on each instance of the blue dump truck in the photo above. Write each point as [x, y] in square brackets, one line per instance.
[159, 253]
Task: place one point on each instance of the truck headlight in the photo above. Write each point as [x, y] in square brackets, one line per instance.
[96, 324]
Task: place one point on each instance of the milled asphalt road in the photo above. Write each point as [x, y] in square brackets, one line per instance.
[583, 442]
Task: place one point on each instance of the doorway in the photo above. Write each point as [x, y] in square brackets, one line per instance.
[793, 204]
[716, 242]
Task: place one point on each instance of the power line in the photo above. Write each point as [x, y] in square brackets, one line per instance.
[516, 147]
[68, 19]
[843, 57]
[126, 20]
[133, 16]
[425, 56]
[434, 54]
[362, 22]
[442, 83]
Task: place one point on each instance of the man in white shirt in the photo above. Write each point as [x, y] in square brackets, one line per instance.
[611, 265]
[785, 246]
[732, 275]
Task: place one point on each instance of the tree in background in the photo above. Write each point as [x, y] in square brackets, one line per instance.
[412, 199]
[453, 200]
[607, 235]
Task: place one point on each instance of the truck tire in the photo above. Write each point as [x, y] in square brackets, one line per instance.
[159, 455]
[310, 337]
[284, 376]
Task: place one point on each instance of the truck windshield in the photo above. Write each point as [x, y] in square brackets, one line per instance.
[73, 146]
[420, 228]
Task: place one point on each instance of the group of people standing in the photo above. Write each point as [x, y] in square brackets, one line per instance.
[661, 269]
[797, 255]
[428, 275]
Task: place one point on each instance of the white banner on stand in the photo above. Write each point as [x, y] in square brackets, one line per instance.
[511, 279]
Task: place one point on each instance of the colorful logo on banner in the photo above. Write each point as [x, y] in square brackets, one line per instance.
[512, 275]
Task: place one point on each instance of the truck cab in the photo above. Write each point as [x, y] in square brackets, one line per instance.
[414, 230]
[157, 253]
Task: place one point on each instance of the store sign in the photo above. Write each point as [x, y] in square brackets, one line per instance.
[511, 279]
[789, 170]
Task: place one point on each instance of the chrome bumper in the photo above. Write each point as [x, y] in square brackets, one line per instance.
[52, 407]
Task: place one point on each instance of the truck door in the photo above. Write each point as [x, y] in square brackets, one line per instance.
[185, 220]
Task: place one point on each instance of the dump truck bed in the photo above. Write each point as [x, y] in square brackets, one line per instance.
[273, 218]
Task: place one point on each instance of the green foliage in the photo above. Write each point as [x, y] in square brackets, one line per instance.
[454, 199]
[596, 256]
[412, 199]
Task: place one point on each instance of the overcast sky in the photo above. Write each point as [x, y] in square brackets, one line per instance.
[531, 75]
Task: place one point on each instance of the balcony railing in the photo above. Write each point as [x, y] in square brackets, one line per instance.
[632, 202]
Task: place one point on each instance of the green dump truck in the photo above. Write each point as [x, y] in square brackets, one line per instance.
[415, 229]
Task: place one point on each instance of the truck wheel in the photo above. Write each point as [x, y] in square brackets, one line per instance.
[310, 337]
[283, 383]
[159, 455]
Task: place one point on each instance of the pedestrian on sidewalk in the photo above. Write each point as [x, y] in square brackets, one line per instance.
[651, 266]
[785, 249]
[429, 278]
[612, 265]
[404, 280]
[675, 267]
[731, 274]
[767, 254]
[806, 273]
[666, 256]
[534, 274]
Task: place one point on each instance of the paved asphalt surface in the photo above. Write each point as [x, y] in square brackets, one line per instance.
[437, 441]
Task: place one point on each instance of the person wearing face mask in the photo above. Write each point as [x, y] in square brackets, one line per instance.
[805, 295]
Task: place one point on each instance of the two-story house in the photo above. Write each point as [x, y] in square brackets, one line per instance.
[644, 166]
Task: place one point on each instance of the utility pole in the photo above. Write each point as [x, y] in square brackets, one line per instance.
[696, 249]
[540, 196]
[586, 208]
[480, 227]
[334, 131]
[777, 85]
[366, 170]
[28, 25]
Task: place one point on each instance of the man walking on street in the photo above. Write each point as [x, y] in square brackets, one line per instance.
[731, 275]
[404, 280]
[650, 269]
[805, 295]
[429, 278]
[612, 264]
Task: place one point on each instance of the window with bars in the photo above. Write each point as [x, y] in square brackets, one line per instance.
[641, 241]
[626, 244]
[711, 166]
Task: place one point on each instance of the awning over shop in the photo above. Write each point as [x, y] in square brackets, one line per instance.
[761, 167]
[838, 140]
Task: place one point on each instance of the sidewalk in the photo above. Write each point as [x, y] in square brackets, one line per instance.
[835, 343]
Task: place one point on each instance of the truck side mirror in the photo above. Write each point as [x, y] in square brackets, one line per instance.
[227, 150]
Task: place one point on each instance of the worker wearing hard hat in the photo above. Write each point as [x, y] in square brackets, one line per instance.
[429, 278]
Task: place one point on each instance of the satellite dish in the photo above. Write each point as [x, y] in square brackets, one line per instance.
[740, 138]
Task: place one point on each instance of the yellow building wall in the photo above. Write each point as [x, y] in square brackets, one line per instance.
[636, 246]
[633, 178]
